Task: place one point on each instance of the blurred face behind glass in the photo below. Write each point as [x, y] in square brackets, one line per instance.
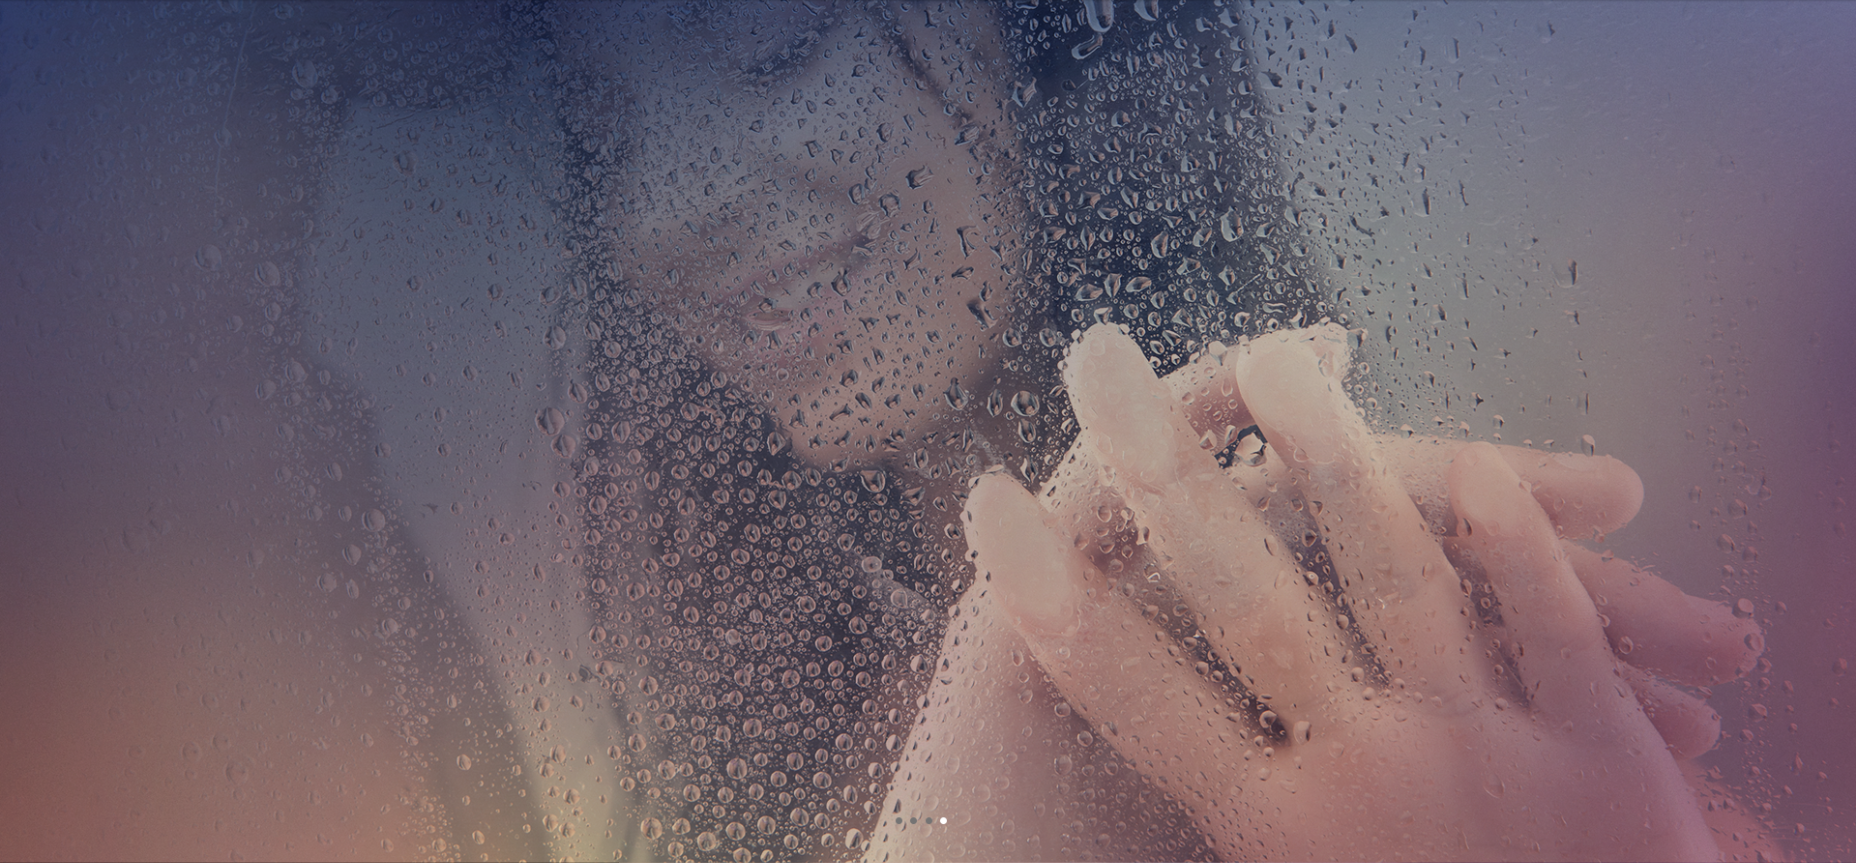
[812, 199]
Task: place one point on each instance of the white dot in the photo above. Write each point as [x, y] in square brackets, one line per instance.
[943, 820]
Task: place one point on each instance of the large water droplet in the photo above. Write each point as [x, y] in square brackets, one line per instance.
[1025, 404]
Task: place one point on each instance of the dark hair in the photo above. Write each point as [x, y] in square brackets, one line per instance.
[1151, 169]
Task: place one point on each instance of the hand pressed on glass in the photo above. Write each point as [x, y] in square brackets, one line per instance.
[1376, 711]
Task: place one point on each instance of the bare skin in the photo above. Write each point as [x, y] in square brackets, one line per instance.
[1473, 739]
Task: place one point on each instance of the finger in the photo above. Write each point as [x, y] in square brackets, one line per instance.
[1688, 725]
[1209, 393]
[1076, 492]
[1560, 650]
[1653, 625]
[1583, 495]
[1006, 529]
[1253, 602]
[981, 689]
[1109, 662]
[1399, 584]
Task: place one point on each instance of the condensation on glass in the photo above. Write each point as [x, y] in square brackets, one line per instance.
[492, 432]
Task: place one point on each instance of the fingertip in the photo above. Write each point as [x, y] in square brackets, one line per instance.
[1300, 407]
[1657, 626]
[1584, 495]
[1138, 423]
[1688, 726]
[1731, 645]
[1034, 573]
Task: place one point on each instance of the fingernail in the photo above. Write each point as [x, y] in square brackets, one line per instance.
[1300, 408]
[1117, 396]
[1034, 574]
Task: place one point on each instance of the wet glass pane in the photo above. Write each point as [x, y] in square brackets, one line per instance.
[780, 431]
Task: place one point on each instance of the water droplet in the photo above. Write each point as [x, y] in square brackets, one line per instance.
[463, 762]
[374, 520]
[653, 828]
[557, 337]
[956, 396]
[1230, 226]
[305, 74]
[550, 421]
[1025, 404]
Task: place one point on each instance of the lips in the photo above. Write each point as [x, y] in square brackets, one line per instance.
[787, 324]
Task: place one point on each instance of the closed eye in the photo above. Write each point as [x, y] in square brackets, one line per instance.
[768, 66]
